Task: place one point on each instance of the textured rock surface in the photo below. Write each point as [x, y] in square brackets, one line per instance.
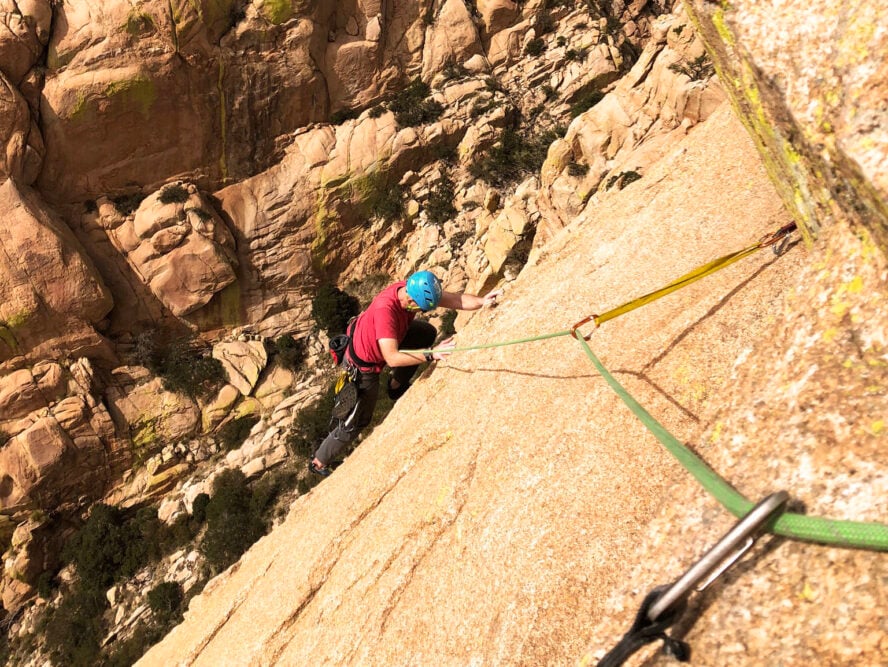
[518, 536]
[814, 98]
[51, 290]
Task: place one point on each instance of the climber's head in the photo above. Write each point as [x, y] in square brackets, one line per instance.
[425, 290]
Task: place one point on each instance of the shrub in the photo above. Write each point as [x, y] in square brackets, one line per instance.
[74, 630]
[379, 196]
[232, 434]
[439, 206]
[232, 525]
[535, 46]
[622, 179]
[312, 424]
[290, 352]
[332, 308]
[454, 70]
[412, 107]
[576, 169]
[180, 364]
[513, 156]
[108, 547]
[165, 602]
[199, 507]
[339, 117]
[585, 101]
[699, 69]
[126, 204]
[174, 193]
[576, 54]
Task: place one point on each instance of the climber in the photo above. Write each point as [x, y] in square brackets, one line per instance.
[378, 335]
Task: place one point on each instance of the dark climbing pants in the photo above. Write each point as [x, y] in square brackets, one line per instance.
[420, 335]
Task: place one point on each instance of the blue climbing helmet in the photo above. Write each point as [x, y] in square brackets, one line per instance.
[425, 289]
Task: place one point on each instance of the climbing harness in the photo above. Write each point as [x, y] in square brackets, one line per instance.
[665, 605]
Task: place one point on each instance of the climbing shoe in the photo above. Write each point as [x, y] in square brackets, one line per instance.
[323, 472]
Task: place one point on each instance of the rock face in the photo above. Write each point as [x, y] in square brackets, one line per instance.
[51, 290]
[552, 501]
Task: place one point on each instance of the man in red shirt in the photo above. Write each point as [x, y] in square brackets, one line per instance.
[377, 335]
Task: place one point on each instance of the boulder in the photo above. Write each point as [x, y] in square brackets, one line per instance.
[243, 362]
[24, 33]
[177, 244]
[153, 416]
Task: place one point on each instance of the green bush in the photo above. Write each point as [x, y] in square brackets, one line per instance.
[412, 107]
[339, 117]
[535, 46]
[165, 602]
[332, 308]
[699, 69]
[199, 507]
[108, 548]
[180, 364]
[73, 631]
[439, 207]
[290, 352]
[585, 101]
[232, 525]
[232, 434]
[127, 203]
[174, 193]
[622, 179]
[311, 426]
[514, 156]
[576, 169]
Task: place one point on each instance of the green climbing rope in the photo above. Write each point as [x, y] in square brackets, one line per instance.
[798, 526]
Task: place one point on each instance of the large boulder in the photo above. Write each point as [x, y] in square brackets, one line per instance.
[24, 32]
[452, 37]
[177, 244]
[60, 455]
[21, 144]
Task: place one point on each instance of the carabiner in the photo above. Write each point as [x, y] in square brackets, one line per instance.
[725, 553]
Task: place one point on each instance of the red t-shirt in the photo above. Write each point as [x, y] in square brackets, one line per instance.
[384, 318]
